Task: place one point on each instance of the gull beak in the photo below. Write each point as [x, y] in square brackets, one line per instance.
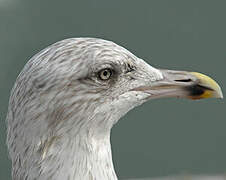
[210, 88]
[183, 84]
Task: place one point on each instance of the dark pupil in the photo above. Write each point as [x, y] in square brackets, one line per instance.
[105, 73]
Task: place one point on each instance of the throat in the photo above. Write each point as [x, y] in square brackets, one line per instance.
[79, 158]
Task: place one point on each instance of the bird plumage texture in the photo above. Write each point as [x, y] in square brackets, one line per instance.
[67, 98]
[60, 113]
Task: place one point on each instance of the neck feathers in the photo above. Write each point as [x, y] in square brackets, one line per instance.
[76, 158]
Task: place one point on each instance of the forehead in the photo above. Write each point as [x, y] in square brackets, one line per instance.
[79, 54]
[102, 51]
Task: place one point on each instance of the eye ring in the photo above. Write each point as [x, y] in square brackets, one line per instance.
[105, 74]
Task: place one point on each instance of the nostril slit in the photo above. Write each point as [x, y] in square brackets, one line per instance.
[183, 80]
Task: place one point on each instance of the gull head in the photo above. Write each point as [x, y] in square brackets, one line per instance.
[67, 98]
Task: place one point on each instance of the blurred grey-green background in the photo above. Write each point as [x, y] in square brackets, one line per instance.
[163, 137]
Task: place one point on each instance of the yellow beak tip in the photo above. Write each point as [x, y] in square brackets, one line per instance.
[208, 82]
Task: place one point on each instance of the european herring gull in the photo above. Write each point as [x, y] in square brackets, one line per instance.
[67, 98]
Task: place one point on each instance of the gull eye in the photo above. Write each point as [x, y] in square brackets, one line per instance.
[105, 74]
